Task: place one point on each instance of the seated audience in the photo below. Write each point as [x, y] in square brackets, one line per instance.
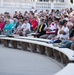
[50, 30]
[67, 43]
[1, 24]
[72, 45]
[59, 29]
[40, 30]
[14, 24]
[25, 28]
[8, 28]
[34, 24]
[64, 33]
[56, 25]
[17, 30]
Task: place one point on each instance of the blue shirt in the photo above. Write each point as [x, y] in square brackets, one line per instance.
[8, 29]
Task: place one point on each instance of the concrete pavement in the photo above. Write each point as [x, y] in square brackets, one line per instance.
[18, 62]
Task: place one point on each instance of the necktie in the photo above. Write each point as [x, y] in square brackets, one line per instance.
[40, 28]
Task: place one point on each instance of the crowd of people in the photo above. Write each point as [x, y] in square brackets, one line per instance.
[56, 25]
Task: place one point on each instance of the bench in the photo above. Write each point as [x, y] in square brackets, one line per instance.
[31, 38]
[68, 70]
[63, 50]
[63, 54]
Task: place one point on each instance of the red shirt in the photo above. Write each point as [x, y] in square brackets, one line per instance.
[2, 25]
[34, 24]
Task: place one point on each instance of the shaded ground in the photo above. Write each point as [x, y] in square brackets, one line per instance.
[18, 62]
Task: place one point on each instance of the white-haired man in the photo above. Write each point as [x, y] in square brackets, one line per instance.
[69, 41]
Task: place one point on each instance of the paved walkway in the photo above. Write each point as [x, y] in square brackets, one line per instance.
[18, 62]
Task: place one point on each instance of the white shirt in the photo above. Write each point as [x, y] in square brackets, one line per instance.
[25, 26]
[53, 26]
[59, 29]
[18, 28]
[66, 30]
[11, 21]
